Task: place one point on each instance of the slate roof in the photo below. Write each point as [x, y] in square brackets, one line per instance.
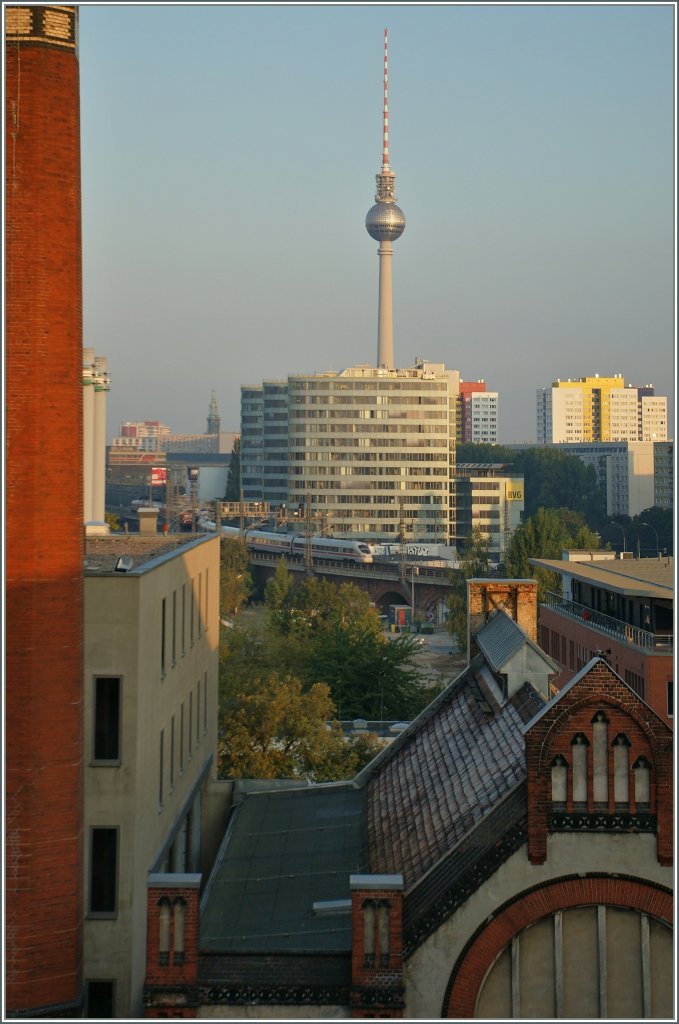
[445, 773]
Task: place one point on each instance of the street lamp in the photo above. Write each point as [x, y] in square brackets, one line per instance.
[624, 539]
[657, 545]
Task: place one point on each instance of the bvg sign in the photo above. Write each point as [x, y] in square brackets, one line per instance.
[515, 495]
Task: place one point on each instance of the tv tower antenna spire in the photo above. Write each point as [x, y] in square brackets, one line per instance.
[385, 223]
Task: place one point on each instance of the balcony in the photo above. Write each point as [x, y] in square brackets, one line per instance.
[659, 643]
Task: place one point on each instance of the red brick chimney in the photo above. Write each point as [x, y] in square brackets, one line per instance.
[376, 946]
[172, 930]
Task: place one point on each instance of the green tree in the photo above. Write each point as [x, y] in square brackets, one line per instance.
[233, 480]
[235, 581]
[540, 536]
[475, 563]
[112, 521]
[276, 729]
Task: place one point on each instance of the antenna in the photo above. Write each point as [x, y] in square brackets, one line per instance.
[385, 145]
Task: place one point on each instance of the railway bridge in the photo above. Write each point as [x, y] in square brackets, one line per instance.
[381, 580]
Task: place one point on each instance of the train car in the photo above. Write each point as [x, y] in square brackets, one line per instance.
[293, 545]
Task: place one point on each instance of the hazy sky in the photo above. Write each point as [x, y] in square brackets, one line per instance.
[229, 156]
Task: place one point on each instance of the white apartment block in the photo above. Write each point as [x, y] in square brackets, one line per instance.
[481, 417]
[371, 449]
[623, 415]
[630, 480]
[653, 418]
[560, 416]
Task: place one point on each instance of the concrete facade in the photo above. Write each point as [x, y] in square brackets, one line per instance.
[599, 409]
[152, 633]
[428, 971]
[371, 448]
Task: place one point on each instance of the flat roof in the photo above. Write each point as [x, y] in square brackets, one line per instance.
[634, 577]
[102, 553]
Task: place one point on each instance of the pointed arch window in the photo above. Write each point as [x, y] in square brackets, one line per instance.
[179, 925]
[559, 782]
[642, 784]
[621, 746]
[163, 930]
[579, 746]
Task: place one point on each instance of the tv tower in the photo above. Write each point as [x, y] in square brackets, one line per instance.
[385, 222]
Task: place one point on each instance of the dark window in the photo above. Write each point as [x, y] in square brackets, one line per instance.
[100, 999]
[103, 871]
[162, 638]
[670, 698]
[106, 718]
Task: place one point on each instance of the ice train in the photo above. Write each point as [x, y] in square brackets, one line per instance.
[328, 548]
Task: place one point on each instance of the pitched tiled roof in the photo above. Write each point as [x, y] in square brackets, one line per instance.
[499, 639]
[443, 776]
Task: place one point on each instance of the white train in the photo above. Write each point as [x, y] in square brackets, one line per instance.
[292, 544]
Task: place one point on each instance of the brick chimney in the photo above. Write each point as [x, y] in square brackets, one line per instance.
[377, 945]
[516, 598]
[172, 930]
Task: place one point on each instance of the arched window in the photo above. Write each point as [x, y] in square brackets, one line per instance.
[579, 745]
[621, 747]
[383, 915]
[163, 930]
[368, 934]
[559, 781]
[179, 918]
[600, 760]
[642, 784]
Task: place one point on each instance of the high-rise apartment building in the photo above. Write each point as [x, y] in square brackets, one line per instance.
[371, 449]
[599, 409]
[478, 413]
[489, 499]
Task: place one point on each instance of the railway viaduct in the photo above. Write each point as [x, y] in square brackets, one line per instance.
[381, 581]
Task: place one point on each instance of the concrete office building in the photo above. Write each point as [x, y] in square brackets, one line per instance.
[488, 499]
[637, 474]
[150, 737]
[599, 409]
[370, 448]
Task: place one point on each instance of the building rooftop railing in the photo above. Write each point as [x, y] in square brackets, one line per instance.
[661, 643]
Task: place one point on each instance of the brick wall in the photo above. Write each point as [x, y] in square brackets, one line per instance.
[517, 598]
[171, 984]
[377, 984]
[649, 736]
[44, 530]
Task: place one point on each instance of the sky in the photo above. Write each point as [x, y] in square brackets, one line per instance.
[229, 156]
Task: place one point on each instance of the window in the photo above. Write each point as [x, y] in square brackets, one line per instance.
[205, 703]
[207, 618]
[160, 768]
[103, 872]
[163, 931]
[193, 604]
[181, 739]
[183, 619]
[670, 698]
[190, 725]
[100, 999]
[162, 637]
[107, 719]
[172, 753]
[174, 628]
[198, 713]
[200, 602]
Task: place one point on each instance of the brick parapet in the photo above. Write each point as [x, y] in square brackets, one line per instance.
[376, 986]
[551, 736]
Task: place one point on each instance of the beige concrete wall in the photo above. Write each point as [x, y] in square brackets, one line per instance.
[428, 970]
[123, 614]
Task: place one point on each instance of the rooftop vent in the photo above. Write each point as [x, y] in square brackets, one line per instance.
[124, 563]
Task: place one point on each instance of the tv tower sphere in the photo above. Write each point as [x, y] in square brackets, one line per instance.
[385, 222]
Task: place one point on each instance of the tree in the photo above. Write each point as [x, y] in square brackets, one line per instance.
[233, 480]
[319, 633]
[541, 536]
[112, 521]
[275, 729]
[235, 581]
[474, 563]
